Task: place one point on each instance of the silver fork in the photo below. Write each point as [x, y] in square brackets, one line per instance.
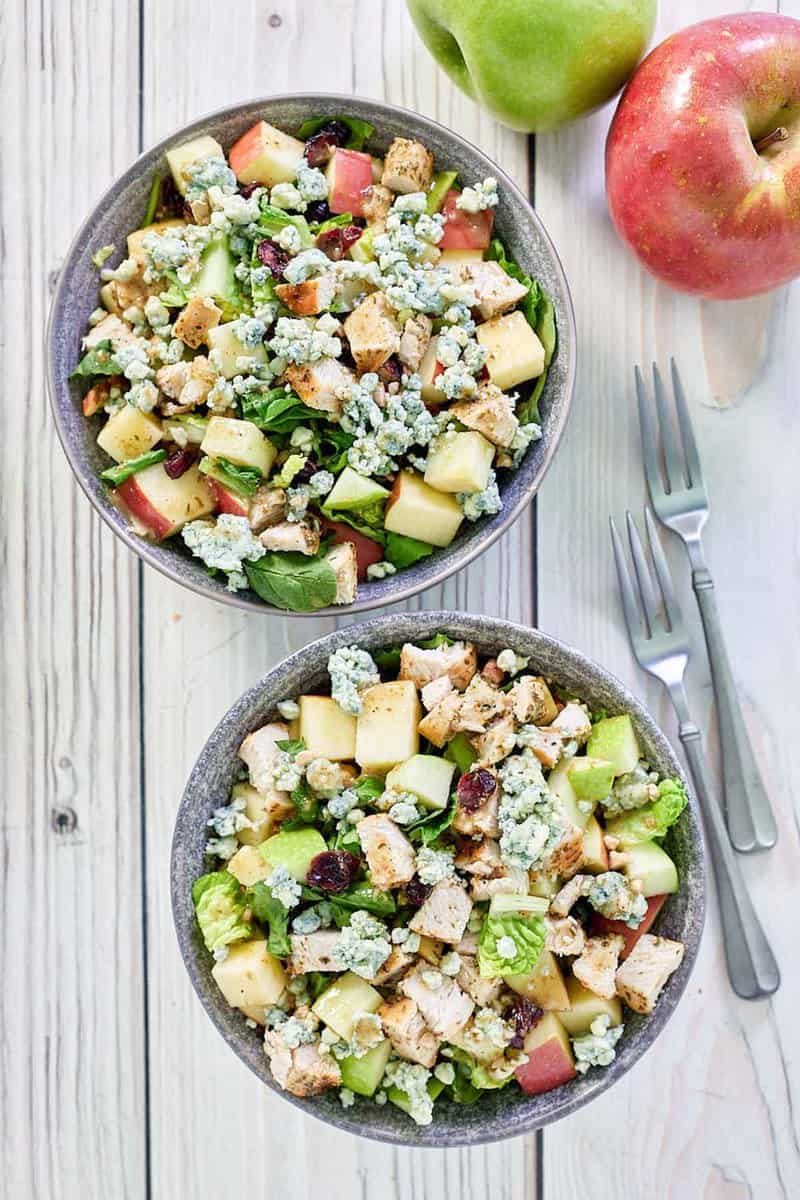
[661, 646]
[682, 505]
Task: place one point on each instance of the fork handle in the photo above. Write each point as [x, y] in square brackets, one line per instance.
[752, 968]
[749, 815]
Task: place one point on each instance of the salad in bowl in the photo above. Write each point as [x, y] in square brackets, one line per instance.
[439, 877]
[315, 365]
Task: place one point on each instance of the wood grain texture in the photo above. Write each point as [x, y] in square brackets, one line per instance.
[213, 1126]
[712, 1112]
[72, 1088]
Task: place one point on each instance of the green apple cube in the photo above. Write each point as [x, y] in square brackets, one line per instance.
[614, 739]
[591, 778]
[426, 776]
[654, 867]
[215, 277]
[223, 339]
[363, 1075]
[352, 490]
[460, 463]
[240, 442]
[293, 849]
[560, 785]
[340, 1004]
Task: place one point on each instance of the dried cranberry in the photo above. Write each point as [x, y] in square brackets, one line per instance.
[525, 1017]
[305, 473]
[333, 870]
[273, 257]
[247, 189]
[177, 463]
[336, 242]
[321, 145]
[186, 212]
[390, 372]
[346, 356]
[318, 211]
[417, 892]
[474, 788]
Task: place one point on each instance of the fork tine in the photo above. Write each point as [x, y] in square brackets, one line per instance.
[671, 606]
[629, 605]
[673, 459]
[643, 575]
[693, 466]
[649, 439]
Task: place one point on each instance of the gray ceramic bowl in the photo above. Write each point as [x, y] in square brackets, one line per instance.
[499, 1114]
[121, 209]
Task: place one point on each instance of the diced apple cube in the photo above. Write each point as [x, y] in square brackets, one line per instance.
[386, 727]
[349, 175]
[241, 442]
[544, 986]
[135, 239]
[550, 1059]
[427, 777]
[229, 501]
[249, 976]
[342, 1002]
[129, 433]
[223, 339]
[162, 505]
[595, 854]
[585, 1006]
[265, 810]
[460, 463]
[654, 868]
[515, 352]
[419, 511]
[248, 866]
[602, 925]
[429, 369]
[327, 730]
[558, 783]
[183, 157]
[266, 155]
[456, 257]
[465, 230]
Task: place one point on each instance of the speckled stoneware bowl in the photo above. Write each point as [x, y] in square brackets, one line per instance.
[496, 1115]
[120, 210]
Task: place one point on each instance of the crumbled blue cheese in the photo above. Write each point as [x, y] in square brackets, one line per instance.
[480, 197]
[434, 865]
[286, 195]
[299, 341]
[339, 806]
[324, 777]
[637, 787]
[475, 505]
[298, 1031]
[311, 183]
[363, 945]
[402, 936]
[346, 1098]
[308, 264]
[207, 173]
[230, 818]
[249, 331]
[530, 828]
[385, 431]
[100, 256]
[289, 239]
[611, 895]
[597, 1048]
[306, 922]
[288, 709]
[284, 887]
[224, 847]
[381, 570]
[525, 435]
[506, 947]
[508, 660]
[412, 1080]
[450, 964]
[403, 810]
[302, 438]
[287, 774]
[367, 1033]
[351, 670]
[225, 545]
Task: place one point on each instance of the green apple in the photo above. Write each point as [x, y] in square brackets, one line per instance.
[532, 63]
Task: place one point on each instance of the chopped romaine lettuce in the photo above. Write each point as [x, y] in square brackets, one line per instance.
[244, 480]
[654, 819]
[97, 361]
[402, 551]
[270, 913]
[512, 936]
[219, 905]
[360, 131]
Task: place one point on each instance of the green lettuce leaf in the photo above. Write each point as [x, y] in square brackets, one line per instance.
[520, 918]
[365, 895]
[433, 824]
[273, 220]
[367, 520]
[118, 474]
[97, 361]
[278, 411]
[270, 913]
[652, 820]
[360, 131]
[219, 905]
[403, 551]
[368, 788]
[243, 480]
[293, 581]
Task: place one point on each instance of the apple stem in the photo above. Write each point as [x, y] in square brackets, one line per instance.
[781, 134]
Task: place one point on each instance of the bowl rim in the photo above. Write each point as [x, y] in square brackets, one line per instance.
[485, 628]
[140, 546]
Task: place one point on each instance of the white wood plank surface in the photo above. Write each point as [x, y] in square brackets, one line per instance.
[71, 1119]
[208, 1113]
[712, 1110]
[114, 1084]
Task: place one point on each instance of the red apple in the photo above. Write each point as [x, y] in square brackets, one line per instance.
[227, 500]
[464, 230]
[550, 1061]
[162, 505]
[367, 551]
[349, 174]
[601, 924]
[703, 157]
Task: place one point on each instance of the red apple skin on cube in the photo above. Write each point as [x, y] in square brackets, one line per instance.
[688, 191]
[367, 551]
[248, 147]
[349, 176]
[137, 504]
[601, 924]
[550, 1063]
[228, 501]
[464, 230]
[181, 500]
